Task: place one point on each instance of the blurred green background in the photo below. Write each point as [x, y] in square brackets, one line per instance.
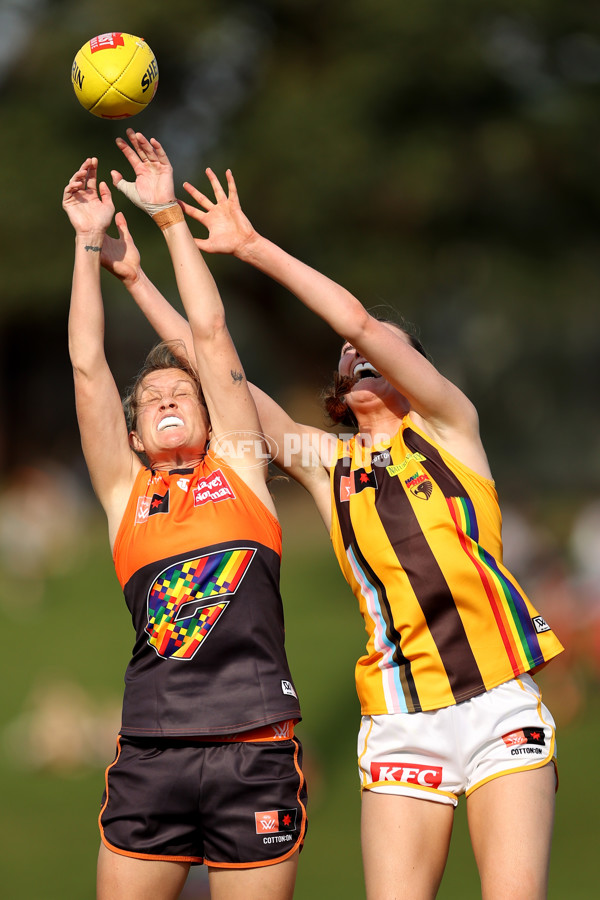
[439, 157]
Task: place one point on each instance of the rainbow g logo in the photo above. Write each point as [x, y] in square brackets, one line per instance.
[178, 619]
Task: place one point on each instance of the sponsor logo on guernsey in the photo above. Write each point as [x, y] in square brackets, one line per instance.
[356, 482]
[288, 688]
[525, 741]
[425, 776]
[540, 624]
[381, 459]
[184, 484]
[400, 467]
[212, 489]
[419, 485]
[150, 506]
[276, 821]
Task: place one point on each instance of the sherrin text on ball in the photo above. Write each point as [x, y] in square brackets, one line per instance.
[115, 75]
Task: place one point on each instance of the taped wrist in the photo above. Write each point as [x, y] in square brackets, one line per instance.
[167, 215]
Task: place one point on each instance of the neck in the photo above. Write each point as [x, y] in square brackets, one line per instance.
[176, 462]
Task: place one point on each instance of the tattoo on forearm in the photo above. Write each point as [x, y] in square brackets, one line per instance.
[237, 376]
[93, 249]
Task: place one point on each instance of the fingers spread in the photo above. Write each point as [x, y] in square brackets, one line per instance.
[216, 185]
[192, 211]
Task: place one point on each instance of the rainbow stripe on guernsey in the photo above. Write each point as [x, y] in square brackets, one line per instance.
[420, 544]
[518, 635]
[392, 675]
[175, 634]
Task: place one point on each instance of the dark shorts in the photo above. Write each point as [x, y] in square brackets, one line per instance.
[239, 804]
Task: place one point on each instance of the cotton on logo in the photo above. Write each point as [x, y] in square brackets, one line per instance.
[426, 776]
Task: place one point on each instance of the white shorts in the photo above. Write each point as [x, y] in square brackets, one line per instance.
[442, 754]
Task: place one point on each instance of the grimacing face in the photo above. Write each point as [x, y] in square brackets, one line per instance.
[170, 415]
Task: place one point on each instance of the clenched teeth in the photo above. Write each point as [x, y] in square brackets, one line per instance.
[169, 422]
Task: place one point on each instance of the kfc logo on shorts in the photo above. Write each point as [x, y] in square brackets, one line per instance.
[524, 736]
[425, 776]
[213, 488]
[271, 821]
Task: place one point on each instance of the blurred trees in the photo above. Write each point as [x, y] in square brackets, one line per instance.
[440, 157]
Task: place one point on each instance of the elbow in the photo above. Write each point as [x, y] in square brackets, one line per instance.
[209, 328]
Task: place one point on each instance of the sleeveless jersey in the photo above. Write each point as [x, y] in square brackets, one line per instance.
[418, 538]
[198, 557]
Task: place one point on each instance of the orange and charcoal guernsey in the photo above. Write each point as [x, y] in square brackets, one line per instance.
[198, 557]
[418, 538]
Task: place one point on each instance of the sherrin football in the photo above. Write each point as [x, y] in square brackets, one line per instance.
[115, 75]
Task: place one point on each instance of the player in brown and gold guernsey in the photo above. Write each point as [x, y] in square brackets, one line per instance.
[449, 705]
[207, 768]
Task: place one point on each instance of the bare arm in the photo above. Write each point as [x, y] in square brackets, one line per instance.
[121, 257]
[302, 452]
[436, 400]
[228, 399]
[112, 464]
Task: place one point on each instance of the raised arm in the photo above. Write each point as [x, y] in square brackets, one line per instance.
[432, 396]
[111, 462]
[302, 452]
[121, 257]
[228, 399]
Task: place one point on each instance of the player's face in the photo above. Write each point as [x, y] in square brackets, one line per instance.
[171, 419]
[354, 365]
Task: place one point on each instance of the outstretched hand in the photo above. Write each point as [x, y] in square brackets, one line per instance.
[153, 172]
[88, 205]
[120, 256]
[228, 227]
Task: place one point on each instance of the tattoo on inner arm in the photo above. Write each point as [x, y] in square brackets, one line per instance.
[93, 249]
[237, 376]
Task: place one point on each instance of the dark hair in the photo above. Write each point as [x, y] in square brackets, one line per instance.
[166, 355]
[333, 396]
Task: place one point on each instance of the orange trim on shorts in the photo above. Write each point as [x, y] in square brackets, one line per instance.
[132, 854]
[276, 731]
[295, 848]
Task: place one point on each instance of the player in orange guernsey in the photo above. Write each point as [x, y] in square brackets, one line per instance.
[207, 768]
[449, 706]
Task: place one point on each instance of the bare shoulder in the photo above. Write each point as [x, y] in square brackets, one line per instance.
[461, 439]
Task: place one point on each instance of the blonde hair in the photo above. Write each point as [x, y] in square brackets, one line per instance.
[166, 355]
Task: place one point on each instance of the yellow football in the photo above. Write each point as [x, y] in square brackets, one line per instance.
[115, 75]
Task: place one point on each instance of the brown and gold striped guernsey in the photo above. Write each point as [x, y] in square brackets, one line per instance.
[418, 538]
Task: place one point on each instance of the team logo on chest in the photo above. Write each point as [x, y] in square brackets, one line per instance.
[420, 485]
[188, 598]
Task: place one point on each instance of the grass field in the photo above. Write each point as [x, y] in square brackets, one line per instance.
[64, 658]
